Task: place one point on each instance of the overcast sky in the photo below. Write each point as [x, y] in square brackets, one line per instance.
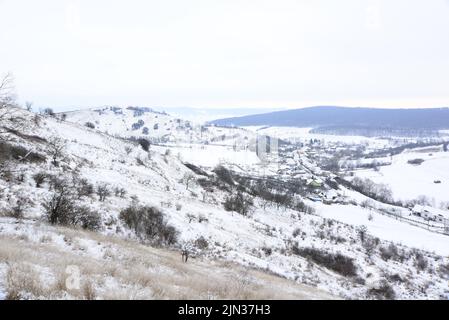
[227, 53]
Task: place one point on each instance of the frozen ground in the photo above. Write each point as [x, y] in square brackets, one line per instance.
[304, 135]
[211, 155]
[409, 181]
[387, 228]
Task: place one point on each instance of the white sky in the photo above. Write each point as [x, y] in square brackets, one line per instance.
[227, 53]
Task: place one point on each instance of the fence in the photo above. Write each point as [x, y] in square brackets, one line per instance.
[438, 228]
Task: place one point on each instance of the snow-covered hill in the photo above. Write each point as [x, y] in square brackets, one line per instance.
[189, 141]
[43, 259]
[311, 248]
[155, 126]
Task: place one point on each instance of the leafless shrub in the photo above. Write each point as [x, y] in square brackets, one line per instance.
[37, 120]
[21, 205]
[359, 280]
[48, 112]
[56, 148]
[59, 205]
[145, 144]
[368, 203]
[391, 252]
[415, 161]
[224, 175]
[83, 187]
[296, 232]
[302, 207]
[12, 152]
[444, 270]
[39, 178]
[362, 232]
[202, 218]
[5, 172]
[421, 262]
[395, 278]
[188, 179]
[239, 203]
[119, 192]
[335, 238]
[139, 161]
[89, 125]
[370, 244]
[201, 243]
[380, 192]
[103, 192]
[384, 291]
[61, 209]
[85, 218]
[336, 262]
[268, 251]
[128, 150]
[6, 93]
[7, 103]
[191, 217]
[149, 223]
[166, 204]
[20, 177]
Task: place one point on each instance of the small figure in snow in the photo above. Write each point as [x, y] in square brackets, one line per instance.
[186, 250]
[185, 255]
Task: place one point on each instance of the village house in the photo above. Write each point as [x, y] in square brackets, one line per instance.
[430, 213]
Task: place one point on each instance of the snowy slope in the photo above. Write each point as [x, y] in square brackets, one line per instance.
[387, 228]
[157, 126]
[409, 181]
[112, 268]
[268, 239]
[192, 142]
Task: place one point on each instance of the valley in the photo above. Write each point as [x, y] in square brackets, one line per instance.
[273, 205]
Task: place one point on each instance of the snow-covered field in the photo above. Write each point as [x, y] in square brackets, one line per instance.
[409, 181]
[211, 155]
[388, 228]
[304, 135]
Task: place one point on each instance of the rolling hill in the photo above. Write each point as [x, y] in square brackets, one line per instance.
[332, 118]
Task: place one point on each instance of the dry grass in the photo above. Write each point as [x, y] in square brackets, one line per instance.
[89, 291]
[128, 270]
[23, 281]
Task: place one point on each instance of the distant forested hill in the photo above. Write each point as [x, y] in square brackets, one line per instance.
[343, 117]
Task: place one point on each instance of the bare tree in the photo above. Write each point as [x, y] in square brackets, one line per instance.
[29, 106]
[59, 206]
[61, 209]
[103, 192]
[188, 179]
[7, 103]
[57, 147]
[48, 112]
[39, 178]
[7, 98]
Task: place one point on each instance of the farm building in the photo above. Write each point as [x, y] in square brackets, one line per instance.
[315, 183]
[431, 213]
